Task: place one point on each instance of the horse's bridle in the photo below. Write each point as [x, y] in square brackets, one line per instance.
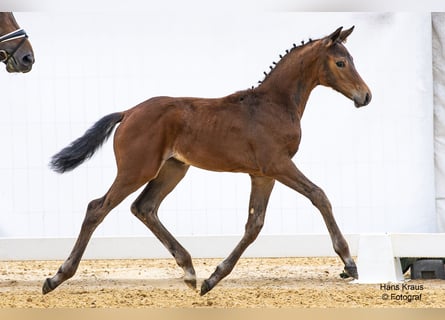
[17, 34]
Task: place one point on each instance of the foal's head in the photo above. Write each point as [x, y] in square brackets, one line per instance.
[338, 70]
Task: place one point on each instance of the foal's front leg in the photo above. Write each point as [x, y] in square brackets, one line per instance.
[288, 174]
[259, 197]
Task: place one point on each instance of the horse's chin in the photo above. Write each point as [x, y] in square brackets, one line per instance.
[12, 68]
[357, 104]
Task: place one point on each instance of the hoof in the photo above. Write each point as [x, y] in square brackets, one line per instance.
[205, 287]
[350, 271]
[47, 287]
[191, 283]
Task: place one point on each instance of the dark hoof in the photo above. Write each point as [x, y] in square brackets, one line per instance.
[350, 271]
[191, 283]
[205, 287]
[47, 287]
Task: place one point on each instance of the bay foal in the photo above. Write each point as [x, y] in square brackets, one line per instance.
[255, 131]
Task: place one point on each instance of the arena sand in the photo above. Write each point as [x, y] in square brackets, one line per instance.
[254, 283]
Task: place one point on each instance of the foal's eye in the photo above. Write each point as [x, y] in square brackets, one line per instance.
[340, 64]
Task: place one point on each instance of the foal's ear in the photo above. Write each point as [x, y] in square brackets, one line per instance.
[345, 34]
[332, 38]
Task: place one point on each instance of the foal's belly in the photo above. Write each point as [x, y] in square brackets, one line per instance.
[222, 160]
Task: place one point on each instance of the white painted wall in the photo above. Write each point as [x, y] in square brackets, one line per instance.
[375, 164]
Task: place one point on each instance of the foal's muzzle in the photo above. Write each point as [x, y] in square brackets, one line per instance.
[363, 100]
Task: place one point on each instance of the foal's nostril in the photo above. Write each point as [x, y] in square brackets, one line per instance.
[367, 99]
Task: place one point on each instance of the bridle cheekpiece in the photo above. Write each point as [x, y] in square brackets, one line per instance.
[14, 35]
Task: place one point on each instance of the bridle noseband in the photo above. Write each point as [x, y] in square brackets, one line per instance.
[17, 34]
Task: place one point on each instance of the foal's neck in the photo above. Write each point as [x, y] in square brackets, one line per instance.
[294, 77]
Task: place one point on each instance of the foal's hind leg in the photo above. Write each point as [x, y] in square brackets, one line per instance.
[96, 212]
[259, 197]
[289, 175]
[145, 208]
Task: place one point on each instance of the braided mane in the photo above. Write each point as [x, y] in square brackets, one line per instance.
[288, 51]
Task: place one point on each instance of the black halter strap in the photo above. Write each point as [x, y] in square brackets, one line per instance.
[17, 34]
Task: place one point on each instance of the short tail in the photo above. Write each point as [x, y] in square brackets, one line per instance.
[84, 147]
